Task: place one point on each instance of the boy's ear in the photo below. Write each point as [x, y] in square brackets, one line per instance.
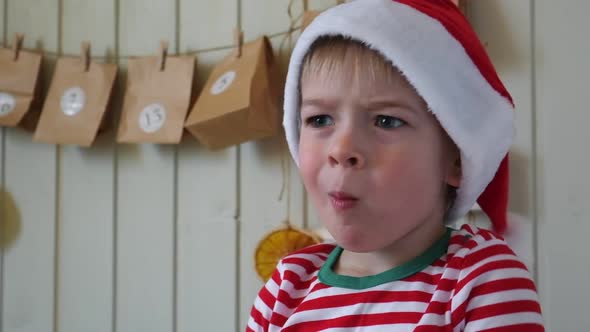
[455, 173]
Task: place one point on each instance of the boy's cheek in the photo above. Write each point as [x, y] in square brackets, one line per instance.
[308, 152]
[308, 167]
[305, 168]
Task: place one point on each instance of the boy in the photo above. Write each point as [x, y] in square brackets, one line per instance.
[398, 123]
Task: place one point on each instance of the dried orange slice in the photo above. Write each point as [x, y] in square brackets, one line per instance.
[277, 244]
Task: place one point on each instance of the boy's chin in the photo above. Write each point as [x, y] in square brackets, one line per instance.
[356, 243]
[358, 249]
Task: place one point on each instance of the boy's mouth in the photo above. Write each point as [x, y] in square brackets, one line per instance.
[341, 200]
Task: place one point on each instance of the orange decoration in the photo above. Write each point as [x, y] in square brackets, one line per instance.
[277, 245]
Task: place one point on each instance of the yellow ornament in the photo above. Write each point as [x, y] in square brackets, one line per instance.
[277, 244]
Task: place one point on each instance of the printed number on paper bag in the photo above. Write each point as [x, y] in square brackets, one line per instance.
[7, 103]
[223, 82]
[73, 101]
[152, 118]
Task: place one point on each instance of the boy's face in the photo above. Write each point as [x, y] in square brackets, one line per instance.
[374, 161]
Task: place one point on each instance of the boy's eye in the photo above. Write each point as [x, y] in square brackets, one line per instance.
[319, 121]
[388, 122]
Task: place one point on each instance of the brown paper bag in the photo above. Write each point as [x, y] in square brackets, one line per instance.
[310, 15]
[157, 99]
[77, 102]
[19, 84]
[240, 101]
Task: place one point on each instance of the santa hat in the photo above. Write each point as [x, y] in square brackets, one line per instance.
[436, 49]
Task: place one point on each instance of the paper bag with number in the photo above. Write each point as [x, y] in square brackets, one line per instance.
[240, 101]
[19, 84]
[157, 99]
[77, 101]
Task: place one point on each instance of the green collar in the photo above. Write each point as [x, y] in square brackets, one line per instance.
[329, 277]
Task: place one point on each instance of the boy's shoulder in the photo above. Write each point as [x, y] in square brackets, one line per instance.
[471, 236]
[321, 250]
[310, 258]
[472, 244]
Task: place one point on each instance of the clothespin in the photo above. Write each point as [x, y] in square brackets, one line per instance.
[163, 54]
[339, 2]
[17, 44]
[85, 54]
[238, 41]
[305, 5]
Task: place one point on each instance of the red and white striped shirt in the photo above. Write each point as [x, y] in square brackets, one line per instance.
[470, 280]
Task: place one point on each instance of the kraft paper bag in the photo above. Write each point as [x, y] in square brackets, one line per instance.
[310, 15]
[240, 101]
[19, 86]
[77, 102]
[157, 99]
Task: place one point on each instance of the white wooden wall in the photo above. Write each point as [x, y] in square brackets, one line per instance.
[161, 238]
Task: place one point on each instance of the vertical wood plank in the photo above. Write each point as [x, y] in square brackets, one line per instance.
[3, 214]
[561, 72]
[30, 169]
[145, 197]
[206, 239]
[2, 21]
[207, 185]
[207, 25]
[85, 284]
[261, 210]
[504, 26]
[261, 169]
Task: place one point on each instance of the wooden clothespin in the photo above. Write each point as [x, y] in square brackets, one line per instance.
[305, 5]
[339, 2]
[17, 44]
[238, 41]
[163, 54]
[85, 54]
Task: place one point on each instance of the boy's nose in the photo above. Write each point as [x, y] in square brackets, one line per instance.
[346, 154]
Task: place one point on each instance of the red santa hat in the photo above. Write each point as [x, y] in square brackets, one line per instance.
[436, 49]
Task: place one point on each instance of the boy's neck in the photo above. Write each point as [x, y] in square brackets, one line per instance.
[405, 249]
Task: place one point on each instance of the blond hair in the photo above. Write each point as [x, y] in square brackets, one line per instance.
[328, 55]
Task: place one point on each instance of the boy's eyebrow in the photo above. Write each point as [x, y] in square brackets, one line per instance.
[319, 102]
[381, 104]
[374, 105]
